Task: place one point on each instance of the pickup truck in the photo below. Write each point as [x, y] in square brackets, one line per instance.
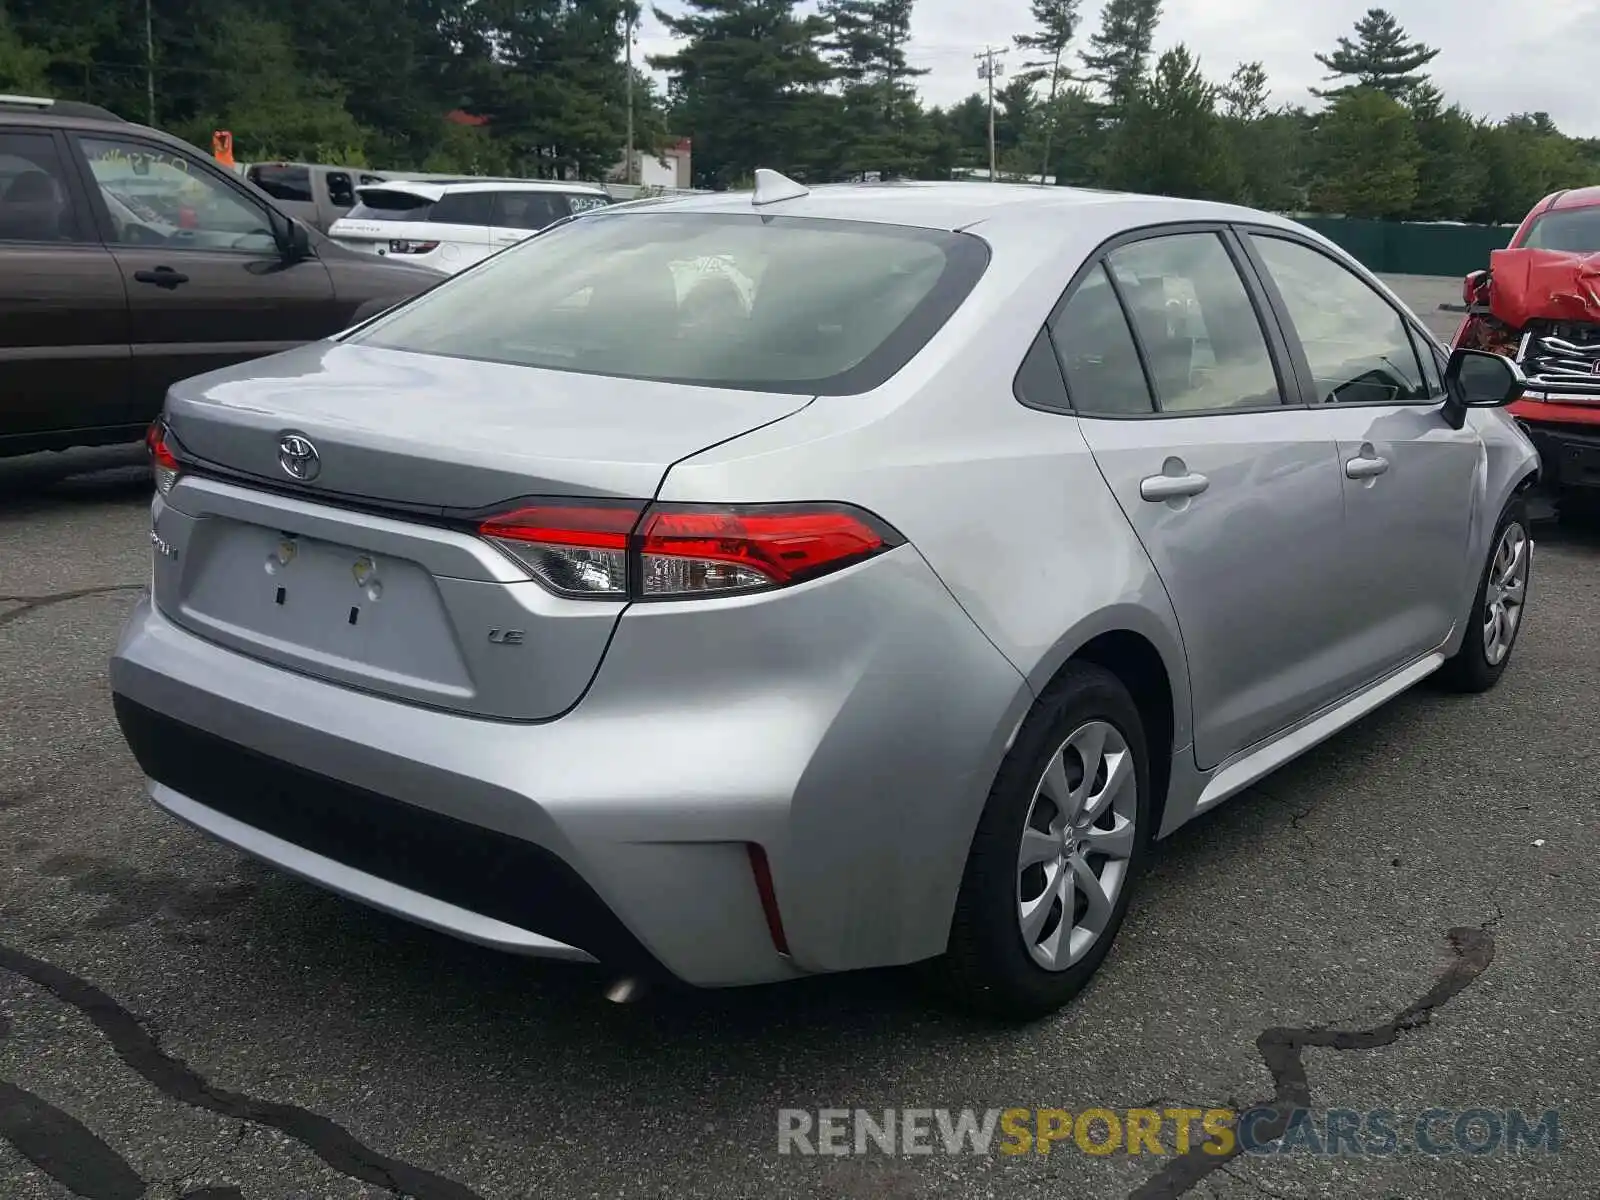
[1538, 303]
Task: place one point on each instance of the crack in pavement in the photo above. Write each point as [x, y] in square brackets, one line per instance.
[32, 604]
[1472, 951]
[330, 1142]
[64, 1148]
[61, 1146]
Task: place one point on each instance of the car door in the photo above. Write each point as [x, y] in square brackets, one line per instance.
[460, 221]
[1184, 396]
[520, 214]
[64, 356]
[207, 283]
[1408, 477]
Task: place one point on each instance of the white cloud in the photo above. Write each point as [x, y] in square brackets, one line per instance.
[1493, 61]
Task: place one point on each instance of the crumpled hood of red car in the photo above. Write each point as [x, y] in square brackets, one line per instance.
[1550, 285]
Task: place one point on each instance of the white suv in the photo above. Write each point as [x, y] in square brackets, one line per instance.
[449, 226]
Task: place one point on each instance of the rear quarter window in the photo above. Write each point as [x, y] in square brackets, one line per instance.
[779, 304]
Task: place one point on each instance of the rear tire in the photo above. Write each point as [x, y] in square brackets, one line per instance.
[1498, 607]
[1066, 824]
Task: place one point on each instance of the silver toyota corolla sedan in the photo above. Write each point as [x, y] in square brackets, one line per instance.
[755, 585]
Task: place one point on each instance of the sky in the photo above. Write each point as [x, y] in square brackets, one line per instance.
[1523, 57]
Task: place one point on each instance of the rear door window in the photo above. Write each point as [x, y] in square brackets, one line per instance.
[1202, 341]
[36, 204]
[528, 210]
[284, 183]
[341, 191]
[463, 208]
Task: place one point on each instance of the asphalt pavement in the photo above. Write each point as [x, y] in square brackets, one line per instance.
[1405, 920]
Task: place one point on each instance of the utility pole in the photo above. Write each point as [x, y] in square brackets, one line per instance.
[631, 14]
[149, 66]
[988, 68]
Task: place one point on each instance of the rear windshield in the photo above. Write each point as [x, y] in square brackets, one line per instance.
[1572, 229]
[283, 183]
[777, 304]
[380, 205]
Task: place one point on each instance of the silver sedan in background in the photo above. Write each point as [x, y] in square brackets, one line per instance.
[748, 586]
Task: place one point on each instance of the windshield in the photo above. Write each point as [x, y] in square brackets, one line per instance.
[760, 303]
[1576, 230]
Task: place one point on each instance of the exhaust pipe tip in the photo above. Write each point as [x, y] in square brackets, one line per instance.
[625, 990]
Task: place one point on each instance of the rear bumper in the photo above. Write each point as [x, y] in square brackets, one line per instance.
[855, 745]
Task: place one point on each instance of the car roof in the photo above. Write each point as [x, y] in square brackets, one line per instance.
[1584, 197]
[432, 190]
[961, 205]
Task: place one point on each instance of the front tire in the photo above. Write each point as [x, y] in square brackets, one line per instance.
[1050, 872]
[1498, 607]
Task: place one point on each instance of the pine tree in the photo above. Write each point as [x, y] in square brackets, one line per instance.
[867, 49]
[1171, 140]
[1119, 50]
[1244, 97]
[1367, 156]
[746, 85]
[1381, 57]
[1057, 21]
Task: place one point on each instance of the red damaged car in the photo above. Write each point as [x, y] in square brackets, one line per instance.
[1539, 303]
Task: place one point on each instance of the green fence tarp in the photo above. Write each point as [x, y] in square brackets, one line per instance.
[1406, 248]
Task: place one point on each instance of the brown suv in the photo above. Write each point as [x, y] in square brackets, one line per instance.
[130, 260]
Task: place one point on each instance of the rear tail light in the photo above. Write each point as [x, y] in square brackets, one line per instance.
[578, 550]
[682, 551]
[163, 462]
[404, 246]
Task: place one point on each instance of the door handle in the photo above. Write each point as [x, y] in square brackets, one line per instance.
[162, 277]
[1158, 488]
[1365, 468]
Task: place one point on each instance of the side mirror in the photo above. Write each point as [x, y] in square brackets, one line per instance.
[1479, 379]
[1470, 286]
[294, 243]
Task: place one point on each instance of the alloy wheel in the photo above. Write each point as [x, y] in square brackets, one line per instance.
[1505, 593]
[1077, 841]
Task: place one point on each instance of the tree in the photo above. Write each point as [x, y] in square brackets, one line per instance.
[1367, 156]
[1451, 175]
[881, 115]
[1245, 95]
[1056, 21]
[746, 84]
[1381, 58]
[22, 67]
[1120, 50]
[1172, 141]
[1524, 159]
[1264, 145]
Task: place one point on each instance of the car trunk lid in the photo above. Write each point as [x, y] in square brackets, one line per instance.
[370, 572]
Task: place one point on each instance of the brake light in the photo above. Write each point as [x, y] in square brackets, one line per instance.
[688, 551]
[163, 463]
[403, 246]
[602, 551]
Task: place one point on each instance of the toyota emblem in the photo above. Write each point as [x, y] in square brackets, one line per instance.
[298, 457]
